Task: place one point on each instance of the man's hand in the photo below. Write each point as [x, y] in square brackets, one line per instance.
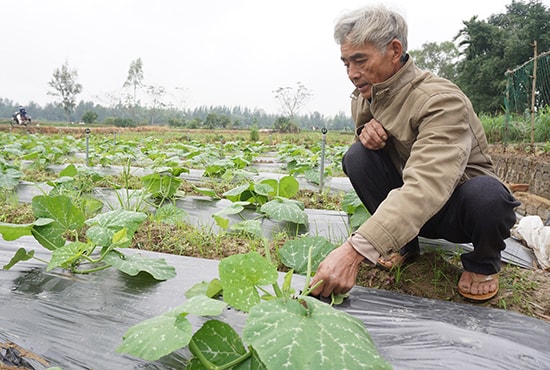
[338, 271]
[373, 136]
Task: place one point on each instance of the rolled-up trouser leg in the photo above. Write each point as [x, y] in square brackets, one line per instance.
[373, 175]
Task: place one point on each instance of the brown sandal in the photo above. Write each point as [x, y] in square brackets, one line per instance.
[478, 278]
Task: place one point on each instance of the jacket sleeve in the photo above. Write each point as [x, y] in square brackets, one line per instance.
[436, 164]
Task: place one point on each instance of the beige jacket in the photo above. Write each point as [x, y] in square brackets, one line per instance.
[436, 141]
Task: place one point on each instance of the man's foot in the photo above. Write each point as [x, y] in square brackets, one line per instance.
[477, 287]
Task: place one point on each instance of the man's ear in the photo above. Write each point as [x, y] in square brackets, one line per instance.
[396, 48]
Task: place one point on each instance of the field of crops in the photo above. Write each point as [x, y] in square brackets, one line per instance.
[92, 202]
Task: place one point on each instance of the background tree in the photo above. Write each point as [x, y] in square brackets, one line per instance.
[440, 59]
[285, 124]
[134, 81]
[156, 93]
[292, 99]
[66, 87]
[491, 47]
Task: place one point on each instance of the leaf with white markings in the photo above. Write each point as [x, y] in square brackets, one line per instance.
[309, 334]
[105, 225]
[159, 336]
[283, 209]
[133, 265]
[295, 253]
[66, 254]
[241, 274]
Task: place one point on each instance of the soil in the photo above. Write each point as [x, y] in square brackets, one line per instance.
[431, 275]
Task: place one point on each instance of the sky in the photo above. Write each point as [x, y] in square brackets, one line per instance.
[202, 52]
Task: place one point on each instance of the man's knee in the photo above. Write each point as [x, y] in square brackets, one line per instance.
[352, 156]
[489, 198]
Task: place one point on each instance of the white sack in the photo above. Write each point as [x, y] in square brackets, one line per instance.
[532, 231]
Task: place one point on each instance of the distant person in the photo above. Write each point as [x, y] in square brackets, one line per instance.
[22, 113]
[419, 164]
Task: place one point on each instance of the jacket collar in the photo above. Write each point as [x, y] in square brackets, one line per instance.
[401, 78]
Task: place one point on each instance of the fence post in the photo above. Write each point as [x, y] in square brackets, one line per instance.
[87, 131]
[533, 94]
[322, 164]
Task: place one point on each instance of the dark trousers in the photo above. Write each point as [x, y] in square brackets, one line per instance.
[480, 211]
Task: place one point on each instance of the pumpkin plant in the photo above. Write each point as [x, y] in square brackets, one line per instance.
[270, 197]
[283, 329]
[59, 226]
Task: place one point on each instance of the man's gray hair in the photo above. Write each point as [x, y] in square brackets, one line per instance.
[373, 24]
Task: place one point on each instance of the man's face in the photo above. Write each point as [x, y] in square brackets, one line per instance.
[366, 65]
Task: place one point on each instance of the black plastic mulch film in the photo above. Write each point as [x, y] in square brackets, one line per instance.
[77, 322]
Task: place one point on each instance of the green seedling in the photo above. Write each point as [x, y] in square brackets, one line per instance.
[278, 319]
[59, 226]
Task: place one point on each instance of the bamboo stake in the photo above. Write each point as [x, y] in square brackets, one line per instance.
[533, 93]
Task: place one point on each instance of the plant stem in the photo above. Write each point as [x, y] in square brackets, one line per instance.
[209, 365]
[267, 251]
[308, 273]
[89, 271]
[307, 289]
[269, 293]
[277, 290]
[41, 260]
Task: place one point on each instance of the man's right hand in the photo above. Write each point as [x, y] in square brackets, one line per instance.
[373, 136]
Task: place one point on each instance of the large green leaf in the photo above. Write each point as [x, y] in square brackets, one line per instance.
[70, 171]
[219, 341]
[66, 254]
[288, 186]
[283, 209]
[350, 202]
[234, 194]
[59, 208]
[105, 225]
[309, 334]
[15, 231]
[161, 185]
[159, 336]
[250, 227]
[220, 344]
[295, 253]
[268, 187]
[10, 178]
[134, 264]
[359, 217]
[206, 191]
[65, 215]
[20, 255]
[240, 274]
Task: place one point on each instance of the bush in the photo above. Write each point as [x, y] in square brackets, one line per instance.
[120, 122]
[542, 125]
[254, 134]
[497, 131]
[89, 117]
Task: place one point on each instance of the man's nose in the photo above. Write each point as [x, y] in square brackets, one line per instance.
[353, 72]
